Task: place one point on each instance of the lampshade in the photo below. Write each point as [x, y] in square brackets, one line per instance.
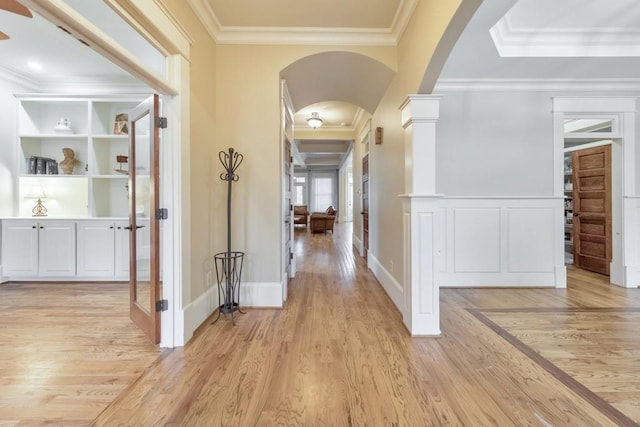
[314, 121]
[36, 192]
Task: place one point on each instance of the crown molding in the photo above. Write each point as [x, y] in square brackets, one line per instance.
[75, 85]
[578, 42]
[537, 84]
[21, 79]
[304, 35]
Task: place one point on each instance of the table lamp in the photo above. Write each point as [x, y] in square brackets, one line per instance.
[37, 192]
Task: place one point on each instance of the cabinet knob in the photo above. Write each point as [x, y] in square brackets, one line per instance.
[111, 227]
[41, 227]
[34, 227]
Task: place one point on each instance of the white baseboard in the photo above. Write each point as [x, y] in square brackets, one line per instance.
[261, 294]
[358, 244]
[496, 280]
[561, 277]
[252, 294]
[388, 282]
[196, 312]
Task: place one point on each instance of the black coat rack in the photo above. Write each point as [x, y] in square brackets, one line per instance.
[229, 263]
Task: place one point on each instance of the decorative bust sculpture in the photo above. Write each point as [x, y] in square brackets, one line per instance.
[69, 161]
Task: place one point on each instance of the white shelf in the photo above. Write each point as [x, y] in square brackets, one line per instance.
[110, 136]
[119, 176]
[103, 193]
[55, 136]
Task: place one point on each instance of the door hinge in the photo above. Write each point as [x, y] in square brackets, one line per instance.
[162, 305]
[290, 255]
[162, 213]
[161, 122]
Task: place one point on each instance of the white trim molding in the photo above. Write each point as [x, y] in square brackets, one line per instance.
[539, 85]
[625, 264]
[579, 42]
[228, 34]
[392, 287]
[358, 244]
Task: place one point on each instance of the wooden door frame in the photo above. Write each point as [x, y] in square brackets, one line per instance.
[625, 269]
[286, 134]
[149, 322]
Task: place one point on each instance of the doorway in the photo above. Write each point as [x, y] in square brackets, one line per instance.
[172, 331]
[586, 123]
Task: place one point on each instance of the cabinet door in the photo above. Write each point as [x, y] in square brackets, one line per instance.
[122, 250]
[19, 248]
[57, 249]
[96, 248]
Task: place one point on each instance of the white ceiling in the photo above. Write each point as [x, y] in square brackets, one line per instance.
[538, 31]
[369, 22]
[62, 57]
[305, 13]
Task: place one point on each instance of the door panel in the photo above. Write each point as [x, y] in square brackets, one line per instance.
[288, 181]
[592, 209]
[365, 205]
[143, 226]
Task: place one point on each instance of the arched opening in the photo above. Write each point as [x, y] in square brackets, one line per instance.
[342, 90]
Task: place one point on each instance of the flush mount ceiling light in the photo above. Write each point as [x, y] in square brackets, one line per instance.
[34, 66]
[314, 121]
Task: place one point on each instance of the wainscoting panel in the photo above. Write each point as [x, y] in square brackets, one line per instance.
[503, 241]
[530, 247]
[476, 240]
[424, 230]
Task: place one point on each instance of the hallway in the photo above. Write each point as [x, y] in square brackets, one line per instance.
[338, 354]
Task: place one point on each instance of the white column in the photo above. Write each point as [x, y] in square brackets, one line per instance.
[423, 219]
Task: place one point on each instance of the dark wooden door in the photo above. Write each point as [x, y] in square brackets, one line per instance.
[144, 242]
[592, 209]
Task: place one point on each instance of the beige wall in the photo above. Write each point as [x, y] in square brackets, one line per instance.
[202, 148]
[386, 161]
[242, 111]
[247, 95]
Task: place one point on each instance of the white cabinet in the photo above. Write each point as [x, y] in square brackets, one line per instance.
[33, 249]
[98, 185]
[57, 249]
[20, 248]
[103, 249]
[122, 262]
[96, 248]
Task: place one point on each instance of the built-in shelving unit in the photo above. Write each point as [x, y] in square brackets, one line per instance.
[568, 208]
[98, 186]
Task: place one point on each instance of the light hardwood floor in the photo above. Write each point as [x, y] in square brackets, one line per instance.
[66, 351]
[338, 355]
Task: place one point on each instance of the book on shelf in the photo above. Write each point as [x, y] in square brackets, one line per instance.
[42, 166]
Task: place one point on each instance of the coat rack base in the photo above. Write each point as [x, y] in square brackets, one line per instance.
[228, 275]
